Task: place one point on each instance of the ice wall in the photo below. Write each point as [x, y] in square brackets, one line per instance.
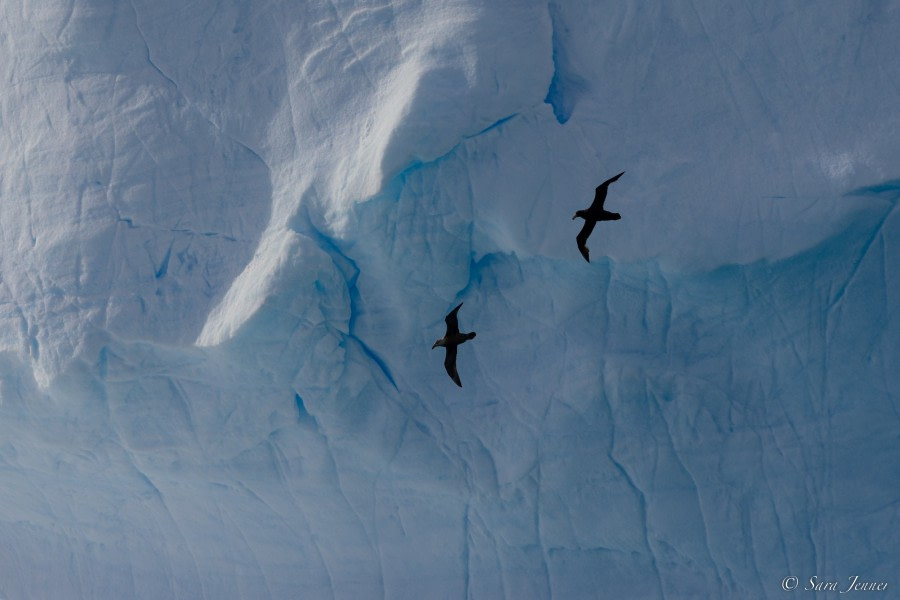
[230, 233]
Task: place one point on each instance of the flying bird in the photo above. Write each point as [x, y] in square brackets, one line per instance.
[593, 214]
[450, 341]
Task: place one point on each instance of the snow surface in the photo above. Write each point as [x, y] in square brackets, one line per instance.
[229, 233]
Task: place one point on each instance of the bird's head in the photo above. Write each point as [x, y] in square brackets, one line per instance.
[616, 216]
[440, 342]
[578, 213]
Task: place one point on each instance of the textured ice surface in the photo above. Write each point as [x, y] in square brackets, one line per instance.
[229, 232]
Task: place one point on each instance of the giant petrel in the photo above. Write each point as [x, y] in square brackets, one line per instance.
[450, 341]
[593, 214]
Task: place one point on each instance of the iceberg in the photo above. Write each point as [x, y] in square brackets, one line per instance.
[230, 233]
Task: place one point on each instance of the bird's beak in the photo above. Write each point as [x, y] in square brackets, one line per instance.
[434, 346]
[575, 216]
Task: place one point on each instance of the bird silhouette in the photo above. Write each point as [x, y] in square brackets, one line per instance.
[593, 214]
[450, 341]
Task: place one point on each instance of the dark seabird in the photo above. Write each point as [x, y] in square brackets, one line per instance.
[593, 214]
[450, 341]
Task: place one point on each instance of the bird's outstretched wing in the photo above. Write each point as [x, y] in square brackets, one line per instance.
[450, 363]
[583, 236]
[600, 193]
[453, 324]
